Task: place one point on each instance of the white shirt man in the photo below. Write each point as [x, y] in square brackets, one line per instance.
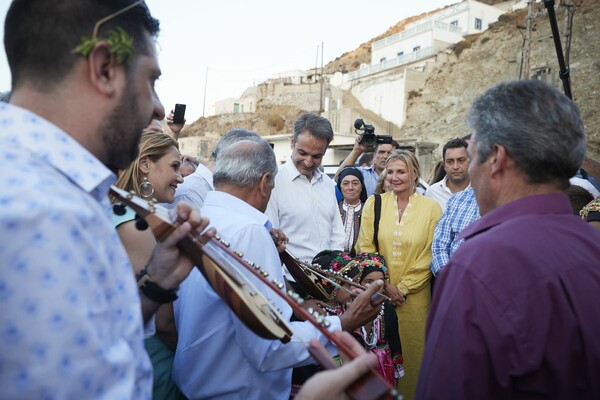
[303, 203]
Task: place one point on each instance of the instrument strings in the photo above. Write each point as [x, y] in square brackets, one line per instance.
[330, 277]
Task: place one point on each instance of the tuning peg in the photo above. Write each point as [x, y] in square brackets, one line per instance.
[264, 272]
[277, 283]
[238, 253]
[140, 223]
[217, 238]
[326, 323]
[119, 209]
[224, 243]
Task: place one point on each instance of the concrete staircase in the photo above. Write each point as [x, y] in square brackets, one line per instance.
[343, 119]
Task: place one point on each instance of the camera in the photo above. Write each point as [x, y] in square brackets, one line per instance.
[368, 138]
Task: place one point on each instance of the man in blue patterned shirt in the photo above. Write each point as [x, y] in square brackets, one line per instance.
[71, 320]
[461, 211]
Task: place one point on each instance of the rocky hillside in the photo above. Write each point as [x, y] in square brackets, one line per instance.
[437, 113]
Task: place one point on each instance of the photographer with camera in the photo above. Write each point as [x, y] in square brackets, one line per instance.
[367, 141]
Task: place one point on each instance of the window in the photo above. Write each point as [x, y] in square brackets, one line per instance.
[416, 48]
[454, 23]
[478, 23]
[382, 59]
[400, 54]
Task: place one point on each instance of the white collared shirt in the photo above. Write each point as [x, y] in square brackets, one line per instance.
[217, 356]
[194, 188]
[306, 211]
[440, 192]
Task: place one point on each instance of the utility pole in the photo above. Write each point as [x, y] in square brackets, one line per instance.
[205, 84]
[322, 78]
[526, 52]
[570, 7]
[317, 63]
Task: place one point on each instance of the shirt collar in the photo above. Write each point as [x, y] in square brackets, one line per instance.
[552, 203]
[356, 207]
[294, 174]
[370, 168]
[227, 201]
[57, 148]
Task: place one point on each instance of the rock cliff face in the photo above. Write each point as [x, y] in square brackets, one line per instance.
[437, 112]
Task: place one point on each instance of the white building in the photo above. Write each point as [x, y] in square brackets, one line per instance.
[294, 77]
[234, 106]
[444, 27]
[399, 62]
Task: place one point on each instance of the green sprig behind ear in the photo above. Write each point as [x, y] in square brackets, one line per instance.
[119, 42]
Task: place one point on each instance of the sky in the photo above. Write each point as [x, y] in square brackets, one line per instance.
[233, 44]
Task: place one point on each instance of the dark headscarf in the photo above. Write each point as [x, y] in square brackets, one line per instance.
[371, 262]
[354, 172]
[333, 260]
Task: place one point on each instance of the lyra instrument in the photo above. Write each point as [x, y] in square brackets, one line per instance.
[336, 278]
[220, 269]
[309, 276]
[304, 276]
[223, 270]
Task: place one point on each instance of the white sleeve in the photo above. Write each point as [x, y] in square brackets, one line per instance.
[270, 355]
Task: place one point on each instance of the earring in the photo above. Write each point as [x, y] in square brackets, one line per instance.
[147, 190]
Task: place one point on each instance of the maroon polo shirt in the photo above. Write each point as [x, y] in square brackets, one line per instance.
[516, 313]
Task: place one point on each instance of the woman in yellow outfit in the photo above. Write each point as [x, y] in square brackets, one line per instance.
[404, 238]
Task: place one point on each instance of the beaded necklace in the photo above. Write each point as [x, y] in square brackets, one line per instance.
[377, 328]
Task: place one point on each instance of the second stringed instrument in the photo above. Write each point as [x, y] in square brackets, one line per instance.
[304, 276]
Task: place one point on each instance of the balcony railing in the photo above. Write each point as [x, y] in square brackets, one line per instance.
[395, 62]
[415, 30]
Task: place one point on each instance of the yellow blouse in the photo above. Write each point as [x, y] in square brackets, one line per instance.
[405, 244]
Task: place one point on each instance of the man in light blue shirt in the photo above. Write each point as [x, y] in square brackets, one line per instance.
[217, 356]
[71, 315]
[461, 211]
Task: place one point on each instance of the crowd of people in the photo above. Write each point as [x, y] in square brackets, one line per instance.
[97, 304]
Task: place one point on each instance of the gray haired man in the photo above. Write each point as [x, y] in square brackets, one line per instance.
[515, 313]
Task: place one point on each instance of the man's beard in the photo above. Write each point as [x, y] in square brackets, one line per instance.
[122, 131]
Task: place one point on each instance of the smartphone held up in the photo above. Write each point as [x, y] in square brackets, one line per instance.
[179, 114]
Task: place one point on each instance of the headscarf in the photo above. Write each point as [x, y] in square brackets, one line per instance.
[333, 260]
[371, 262]
[354, 172]
[591, 212]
